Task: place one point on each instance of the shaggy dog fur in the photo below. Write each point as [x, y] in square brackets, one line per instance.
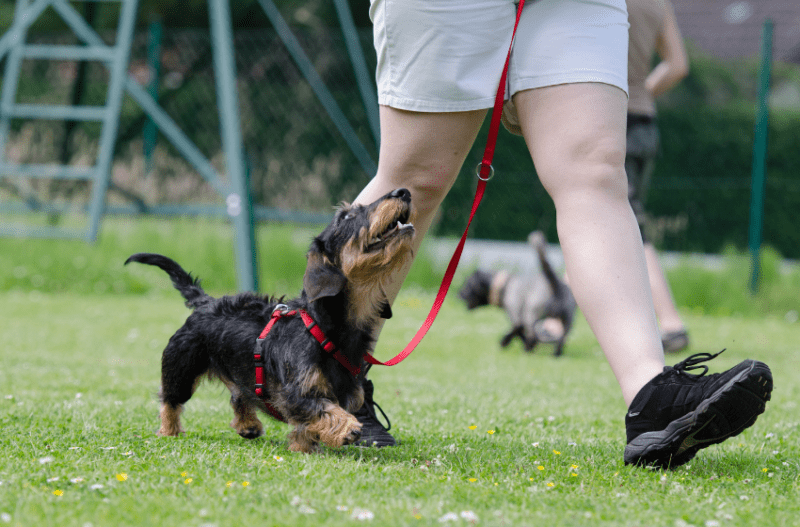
[342, 291]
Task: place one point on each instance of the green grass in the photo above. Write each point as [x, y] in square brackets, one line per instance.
[82, 339]
[77, 402]
[203, 246]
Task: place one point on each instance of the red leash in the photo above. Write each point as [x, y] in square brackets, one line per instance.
[485, 173]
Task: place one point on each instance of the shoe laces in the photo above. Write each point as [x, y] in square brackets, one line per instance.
[693, 363]
[370, 405]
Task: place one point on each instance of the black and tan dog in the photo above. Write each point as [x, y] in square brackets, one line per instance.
[305, 381]
[526, 298]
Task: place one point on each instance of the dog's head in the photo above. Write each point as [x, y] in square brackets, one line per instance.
[361, 247]
[475, 291]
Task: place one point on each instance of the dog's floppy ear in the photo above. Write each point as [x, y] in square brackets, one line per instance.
[321, 278]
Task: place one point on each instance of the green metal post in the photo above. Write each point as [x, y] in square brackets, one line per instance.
[759, 176]
[363, 77]
[239, 201]
[150, 132]
[108, 136]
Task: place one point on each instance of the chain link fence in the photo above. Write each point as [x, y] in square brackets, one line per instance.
[298, 161]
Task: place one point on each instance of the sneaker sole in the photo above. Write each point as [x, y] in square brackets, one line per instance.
[726, 413]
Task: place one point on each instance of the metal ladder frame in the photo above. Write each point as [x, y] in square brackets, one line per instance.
[114, 57]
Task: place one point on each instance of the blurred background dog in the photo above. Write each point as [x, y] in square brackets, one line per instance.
[526, 298]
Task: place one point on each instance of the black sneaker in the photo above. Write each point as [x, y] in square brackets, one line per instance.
[678, 413]
[373, 433]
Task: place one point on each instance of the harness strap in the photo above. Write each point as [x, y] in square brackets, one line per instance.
[316, 332]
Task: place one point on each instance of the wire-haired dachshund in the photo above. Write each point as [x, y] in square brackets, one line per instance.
[307, 366]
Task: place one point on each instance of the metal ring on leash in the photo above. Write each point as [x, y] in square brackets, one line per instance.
[282, 308]
[478, 172]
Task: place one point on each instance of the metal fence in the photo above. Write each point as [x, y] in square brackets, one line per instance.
[299, 162]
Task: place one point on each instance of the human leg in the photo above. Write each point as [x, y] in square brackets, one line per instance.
[422, 152]
[668, 317]
[576, 135]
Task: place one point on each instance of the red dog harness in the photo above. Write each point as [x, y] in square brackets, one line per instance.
[282, 311]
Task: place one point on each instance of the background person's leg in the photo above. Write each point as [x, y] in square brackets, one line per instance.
[576, 136]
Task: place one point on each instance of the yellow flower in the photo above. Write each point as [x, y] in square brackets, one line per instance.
[184, 474]
[490, 432]
[540, 467]
[418, 516]
[122, 477]
[574, 475]
[188, 480]
[764, 470]
[58, 492]
[472, 480]
[573, 466]
[245, 483]
[530, 479]
[556, 452]
[472, 427]
[551, 484]
[229, 483]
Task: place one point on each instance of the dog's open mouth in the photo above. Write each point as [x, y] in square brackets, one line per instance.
[400, 225]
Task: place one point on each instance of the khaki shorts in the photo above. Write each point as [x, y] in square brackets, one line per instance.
[448, 55]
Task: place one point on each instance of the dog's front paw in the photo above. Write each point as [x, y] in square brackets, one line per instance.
[353, 435]
[338, 428]
[248, 429]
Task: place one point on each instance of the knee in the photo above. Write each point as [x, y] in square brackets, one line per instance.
[593, 170]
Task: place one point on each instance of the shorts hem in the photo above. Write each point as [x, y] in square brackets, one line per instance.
[410, 104]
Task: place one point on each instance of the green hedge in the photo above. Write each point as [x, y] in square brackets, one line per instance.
[700, 192]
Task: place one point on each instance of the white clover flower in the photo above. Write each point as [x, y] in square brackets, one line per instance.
[449, 517]
[362, 514]
[46, 459]
[305, 509]
[469, 516]
[5, 517]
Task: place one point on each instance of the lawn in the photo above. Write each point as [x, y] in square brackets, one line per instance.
[489, 436]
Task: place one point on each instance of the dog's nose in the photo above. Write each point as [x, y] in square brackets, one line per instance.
[401, 193]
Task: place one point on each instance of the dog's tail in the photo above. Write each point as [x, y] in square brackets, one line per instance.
[539, 243]
[189, 287]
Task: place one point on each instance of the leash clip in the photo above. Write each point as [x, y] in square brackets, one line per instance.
[280, 309]
[478, 172]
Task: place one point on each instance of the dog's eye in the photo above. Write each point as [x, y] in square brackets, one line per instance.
[349, 216]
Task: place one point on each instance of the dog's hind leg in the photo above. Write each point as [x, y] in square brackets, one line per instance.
[516, 331]
[181, 371]
[530, 342]
[245, 421]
